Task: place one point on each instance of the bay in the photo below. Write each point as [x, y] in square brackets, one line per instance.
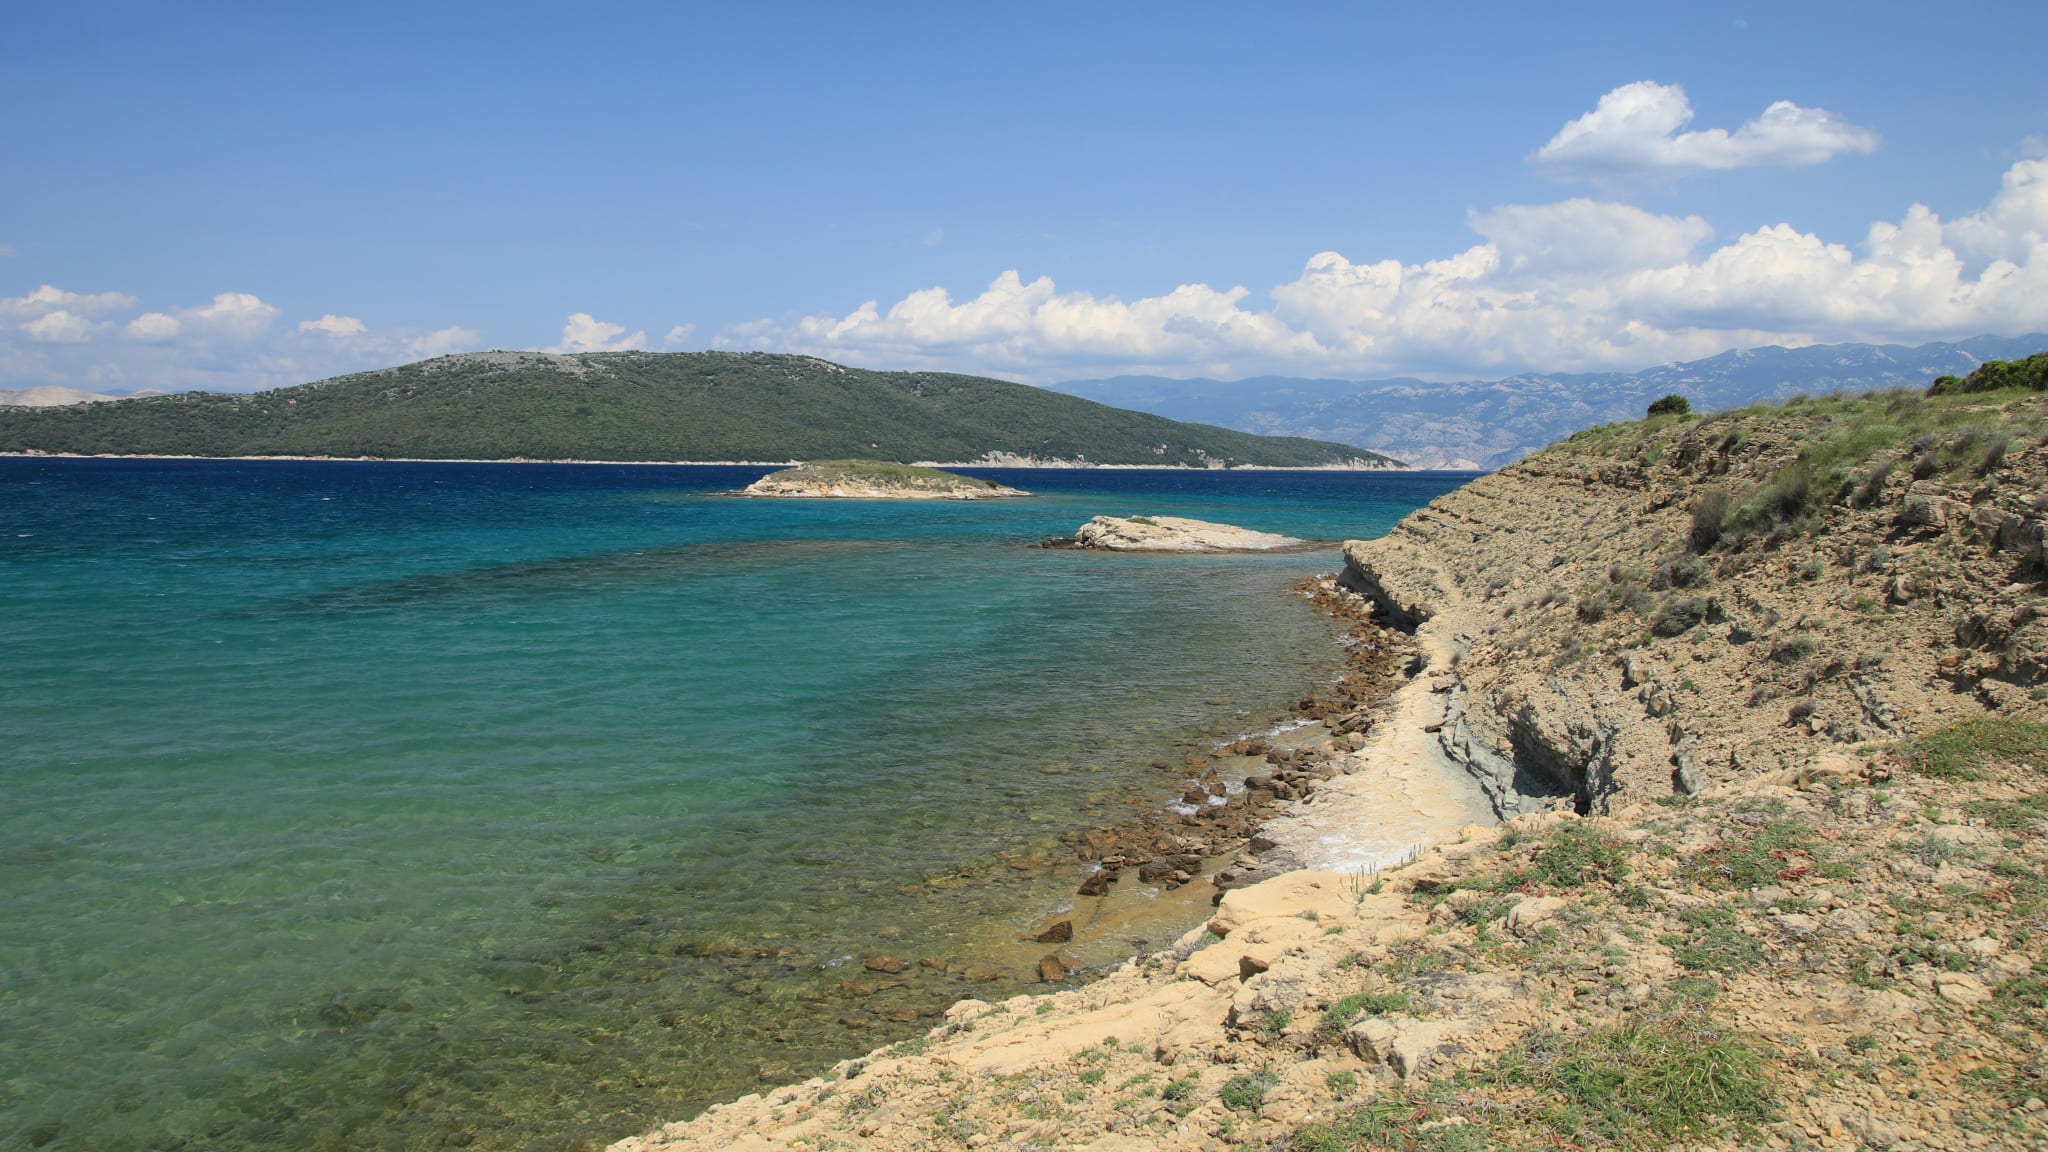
[390, 805]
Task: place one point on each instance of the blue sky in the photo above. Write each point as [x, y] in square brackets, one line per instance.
[232, 197]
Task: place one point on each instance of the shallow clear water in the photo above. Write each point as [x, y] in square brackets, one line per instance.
[349, 805]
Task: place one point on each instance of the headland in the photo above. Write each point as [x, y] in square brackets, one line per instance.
[1759, 702]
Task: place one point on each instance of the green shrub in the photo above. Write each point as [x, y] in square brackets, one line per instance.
[1678, 615]
[1995, 375]
[1714, 944]
[1794, 648]
[1709, 513]
[1339, 1016]
[1960, 751]
[1672, 405]
[1647, 1081]
[1746, 860]
[1577, 855]
[1683, 572]
[1247, 1090]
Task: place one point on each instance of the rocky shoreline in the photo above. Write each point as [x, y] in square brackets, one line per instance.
[1772, 740]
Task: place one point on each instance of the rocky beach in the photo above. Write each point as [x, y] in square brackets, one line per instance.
[1757, 701]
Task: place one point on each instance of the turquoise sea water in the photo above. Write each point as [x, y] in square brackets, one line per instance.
[352, 805]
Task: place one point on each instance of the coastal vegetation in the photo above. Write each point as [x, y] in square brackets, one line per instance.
[1996, 376]
[645, 406]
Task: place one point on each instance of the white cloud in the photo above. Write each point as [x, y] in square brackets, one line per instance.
[49, 298]
[1586, 236]
[1636, 128]
[678, 334]
[228, 344]
[585, 333]
[59, 327]
[236, 315]
[6, 250]
[339, 327]
[441, 342]
[153, 328]
[1580, 284]
[2014, 225]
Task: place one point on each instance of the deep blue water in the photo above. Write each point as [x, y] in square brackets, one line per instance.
[364, 805]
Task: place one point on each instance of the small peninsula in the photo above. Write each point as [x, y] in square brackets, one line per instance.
[875, 480]
[1178, 534]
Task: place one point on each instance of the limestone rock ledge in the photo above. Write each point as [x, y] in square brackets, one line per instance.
[875, 480]
[1178, 534]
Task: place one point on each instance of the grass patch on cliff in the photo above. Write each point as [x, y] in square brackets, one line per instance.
[1572, 857]
[1847, 448]
[1965, 751]
[1643, 1082]
[1339, 1016]
[1764, 847]
[1675, 1074]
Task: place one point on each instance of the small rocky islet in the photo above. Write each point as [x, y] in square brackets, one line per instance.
[1175, 534]
[875, 480]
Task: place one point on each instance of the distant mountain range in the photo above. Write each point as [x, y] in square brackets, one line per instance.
[1486, 424]
[652, 406]
[53, 396]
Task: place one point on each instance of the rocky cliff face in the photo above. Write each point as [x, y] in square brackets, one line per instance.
[1606, 647]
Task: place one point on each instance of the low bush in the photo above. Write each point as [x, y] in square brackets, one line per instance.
[1672, 405]
[1792, 649]
[1713, 942]
[1678, 615]
[1247, 1090]
[1962, 751]
[1996, 375]
[1646, 1081]
[1339, 1016]
[1709, 513]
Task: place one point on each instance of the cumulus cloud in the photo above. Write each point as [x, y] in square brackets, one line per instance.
[586, 333]
[59, 327]
[339, 327]
[153, 328]
[1580, 284]
[678, 334]
[1636, 128]
[230, 343]
[236, 315]
[441, 342]
[49, 298]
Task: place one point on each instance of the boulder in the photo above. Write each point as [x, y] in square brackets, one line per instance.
[1529, 917]
[1176, 534]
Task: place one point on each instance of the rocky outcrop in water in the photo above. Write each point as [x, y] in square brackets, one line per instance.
[1178, 534]
[875, 480]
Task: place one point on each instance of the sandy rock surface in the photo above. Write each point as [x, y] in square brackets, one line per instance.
[1177, 534]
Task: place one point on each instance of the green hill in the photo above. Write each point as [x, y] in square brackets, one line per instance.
[650, 406]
